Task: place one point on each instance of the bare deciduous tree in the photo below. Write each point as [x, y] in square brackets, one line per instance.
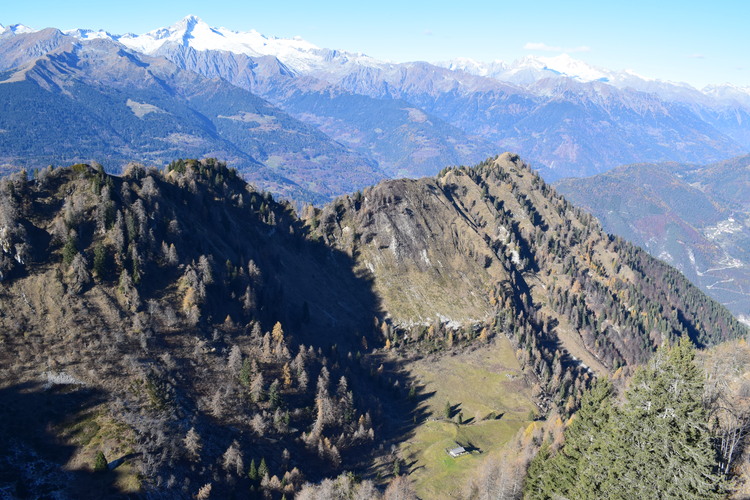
[232, 459]
[400, 489]
[193, 444]
[234, 363]
[258, 423]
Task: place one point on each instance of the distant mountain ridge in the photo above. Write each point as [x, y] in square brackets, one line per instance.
[303, 57]
[412, 119]
[69, 100]
[567, 117]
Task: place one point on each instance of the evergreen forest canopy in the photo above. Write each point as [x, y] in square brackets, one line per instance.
[656, 444]
[208, 340]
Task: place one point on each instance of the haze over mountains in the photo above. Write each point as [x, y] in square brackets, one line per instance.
[411, 119]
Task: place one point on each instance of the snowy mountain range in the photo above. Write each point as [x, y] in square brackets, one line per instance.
[305, 58]
[15, 29]
[411, 119]
[299, 55]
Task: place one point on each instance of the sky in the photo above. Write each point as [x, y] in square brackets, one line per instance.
[681, 41]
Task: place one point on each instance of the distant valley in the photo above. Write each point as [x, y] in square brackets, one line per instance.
[696, 218]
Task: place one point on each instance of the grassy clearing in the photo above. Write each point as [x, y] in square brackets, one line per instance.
[480, 384]
[95, 431]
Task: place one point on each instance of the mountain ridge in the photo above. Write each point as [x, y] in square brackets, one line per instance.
[555, 118]
[181, 318]
[698, 123]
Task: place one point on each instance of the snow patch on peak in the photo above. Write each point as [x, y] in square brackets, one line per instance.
[85, 34]
[547, 73]
[530, 69]
[20, 29]
[630, 72]
[729, 94]
[473, 67]
[190, 20]
[16, 29]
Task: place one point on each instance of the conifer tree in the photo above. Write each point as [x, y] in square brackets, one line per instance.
[69, 250]
[661, 445]
[100, 260]
[575, 471]
[657, 445]
[538, 476]
[252, 473]
[263, 468]
[246, 372]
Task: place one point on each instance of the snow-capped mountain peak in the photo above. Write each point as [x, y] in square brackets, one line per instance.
[296, 53]
[304, 58]
[729, 94]
[474, 67]
[573, 68]
[193, 32]
[530, 69]
[16, 29]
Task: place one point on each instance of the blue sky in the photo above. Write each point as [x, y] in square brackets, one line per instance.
[695, 42]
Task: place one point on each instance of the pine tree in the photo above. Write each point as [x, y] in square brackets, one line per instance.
[100, 260]
[661, 445]
[537, 484]
[575, 472]
[657, 445]
[263, 468]
[69, 251]
[252, 473]
[274, 396]
[246, 372]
